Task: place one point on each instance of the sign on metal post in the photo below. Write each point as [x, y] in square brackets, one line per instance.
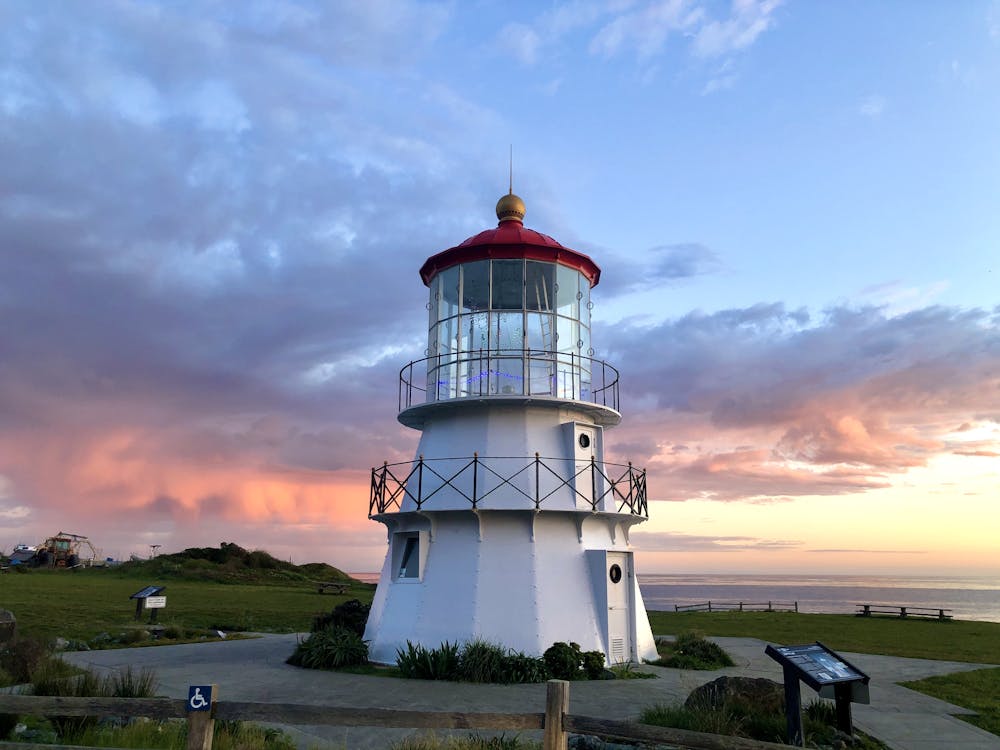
[826, 672]
[199, 698]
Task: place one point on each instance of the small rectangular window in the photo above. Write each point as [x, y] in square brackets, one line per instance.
[409, 564]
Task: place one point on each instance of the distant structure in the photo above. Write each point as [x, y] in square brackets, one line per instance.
[509, 525]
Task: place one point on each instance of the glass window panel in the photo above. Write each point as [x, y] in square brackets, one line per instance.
[541, 332]
[566, 295]
[476, 286]
[410, 559]
[448, 300]
[539, 285]
[508, 285]
[568, 331]
[474, 332]
[447, 335]
[508, 331]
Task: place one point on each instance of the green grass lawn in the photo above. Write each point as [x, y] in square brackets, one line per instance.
[978, 690]
[925, 639]
[83, 603]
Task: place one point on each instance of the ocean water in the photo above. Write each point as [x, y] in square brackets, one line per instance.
[969, 598]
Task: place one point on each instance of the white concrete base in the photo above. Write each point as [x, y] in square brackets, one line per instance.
[523, 579]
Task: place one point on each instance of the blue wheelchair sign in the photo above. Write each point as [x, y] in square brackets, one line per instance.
[199, 698]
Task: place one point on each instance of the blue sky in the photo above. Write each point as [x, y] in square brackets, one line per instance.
[212, 216]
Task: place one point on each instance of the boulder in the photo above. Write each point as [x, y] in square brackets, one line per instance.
[757, 693]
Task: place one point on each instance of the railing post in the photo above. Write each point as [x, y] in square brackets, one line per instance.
[631, 488]
[475, 477]
[538, 491]
[593, 483]
[556, 707]
[420, 481]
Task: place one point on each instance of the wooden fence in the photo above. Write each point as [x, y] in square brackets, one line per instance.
[738, 607]
[556, 722]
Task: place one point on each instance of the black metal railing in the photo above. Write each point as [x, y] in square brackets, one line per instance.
[510, 372]
[475, 479]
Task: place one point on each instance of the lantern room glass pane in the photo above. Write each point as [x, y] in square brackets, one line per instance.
[539, 286]
[476, 286]
[508, 285]
[567, 301]
[448, 293]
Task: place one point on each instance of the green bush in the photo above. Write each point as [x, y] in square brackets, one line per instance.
[352, 615]
[692, 651]
[330, 649]
[566, 662]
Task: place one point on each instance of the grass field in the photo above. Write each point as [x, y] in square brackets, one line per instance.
[978, 690]
[81, 604]
[952, 640]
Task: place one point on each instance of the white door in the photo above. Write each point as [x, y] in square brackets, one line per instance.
[584, 450]
[619, 609]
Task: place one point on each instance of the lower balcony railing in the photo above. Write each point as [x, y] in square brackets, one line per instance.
[526, 483]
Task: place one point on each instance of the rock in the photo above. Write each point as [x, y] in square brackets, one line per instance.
[60, 644]
[765, 696]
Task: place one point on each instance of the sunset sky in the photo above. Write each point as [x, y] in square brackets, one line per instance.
[212, 215]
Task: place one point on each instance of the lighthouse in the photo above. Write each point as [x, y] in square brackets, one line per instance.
[509, 525]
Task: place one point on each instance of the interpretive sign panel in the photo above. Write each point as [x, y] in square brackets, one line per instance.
[826, 672]
[817, 665]
[156, 602]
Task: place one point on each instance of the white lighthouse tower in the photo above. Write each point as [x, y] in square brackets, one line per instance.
[509, 525]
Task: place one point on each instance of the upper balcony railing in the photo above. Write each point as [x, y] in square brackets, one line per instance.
[509, 372]
[508, 483]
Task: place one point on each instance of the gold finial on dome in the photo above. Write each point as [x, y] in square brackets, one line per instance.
[510, 208]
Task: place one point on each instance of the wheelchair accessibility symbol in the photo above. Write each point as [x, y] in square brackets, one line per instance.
[199, 698]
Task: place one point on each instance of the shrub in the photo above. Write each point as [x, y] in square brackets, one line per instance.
[593, 664]
[20, 659]
[351, 615]
[566, 662]
[563, 660]
[692, 651]
[330, 649]
[481, 661]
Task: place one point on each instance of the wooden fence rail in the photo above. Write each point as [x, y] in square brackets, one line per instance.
[556, 722]
[738, 606]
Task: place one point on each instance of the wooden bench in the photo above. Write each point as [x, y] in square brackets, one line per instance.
[332, 587]
[867, 610]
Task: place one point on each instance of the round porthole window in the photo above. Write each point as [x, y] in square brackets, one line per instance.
[615, 573]
[584, 440]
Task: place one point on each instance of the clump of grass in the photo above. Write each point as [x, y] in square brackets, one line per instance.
[165, 735]
[88, 684]
[331, 648]
[626, 670]
[692, 651]
[475, 661]
[432, 741]
[737, 719]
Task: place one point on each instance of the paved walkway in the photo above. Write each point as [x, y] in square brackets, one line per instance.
[255, 670]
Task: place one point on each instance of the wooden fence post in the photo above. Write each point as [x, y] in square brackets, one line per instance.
[201, 722]
[556, 706]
